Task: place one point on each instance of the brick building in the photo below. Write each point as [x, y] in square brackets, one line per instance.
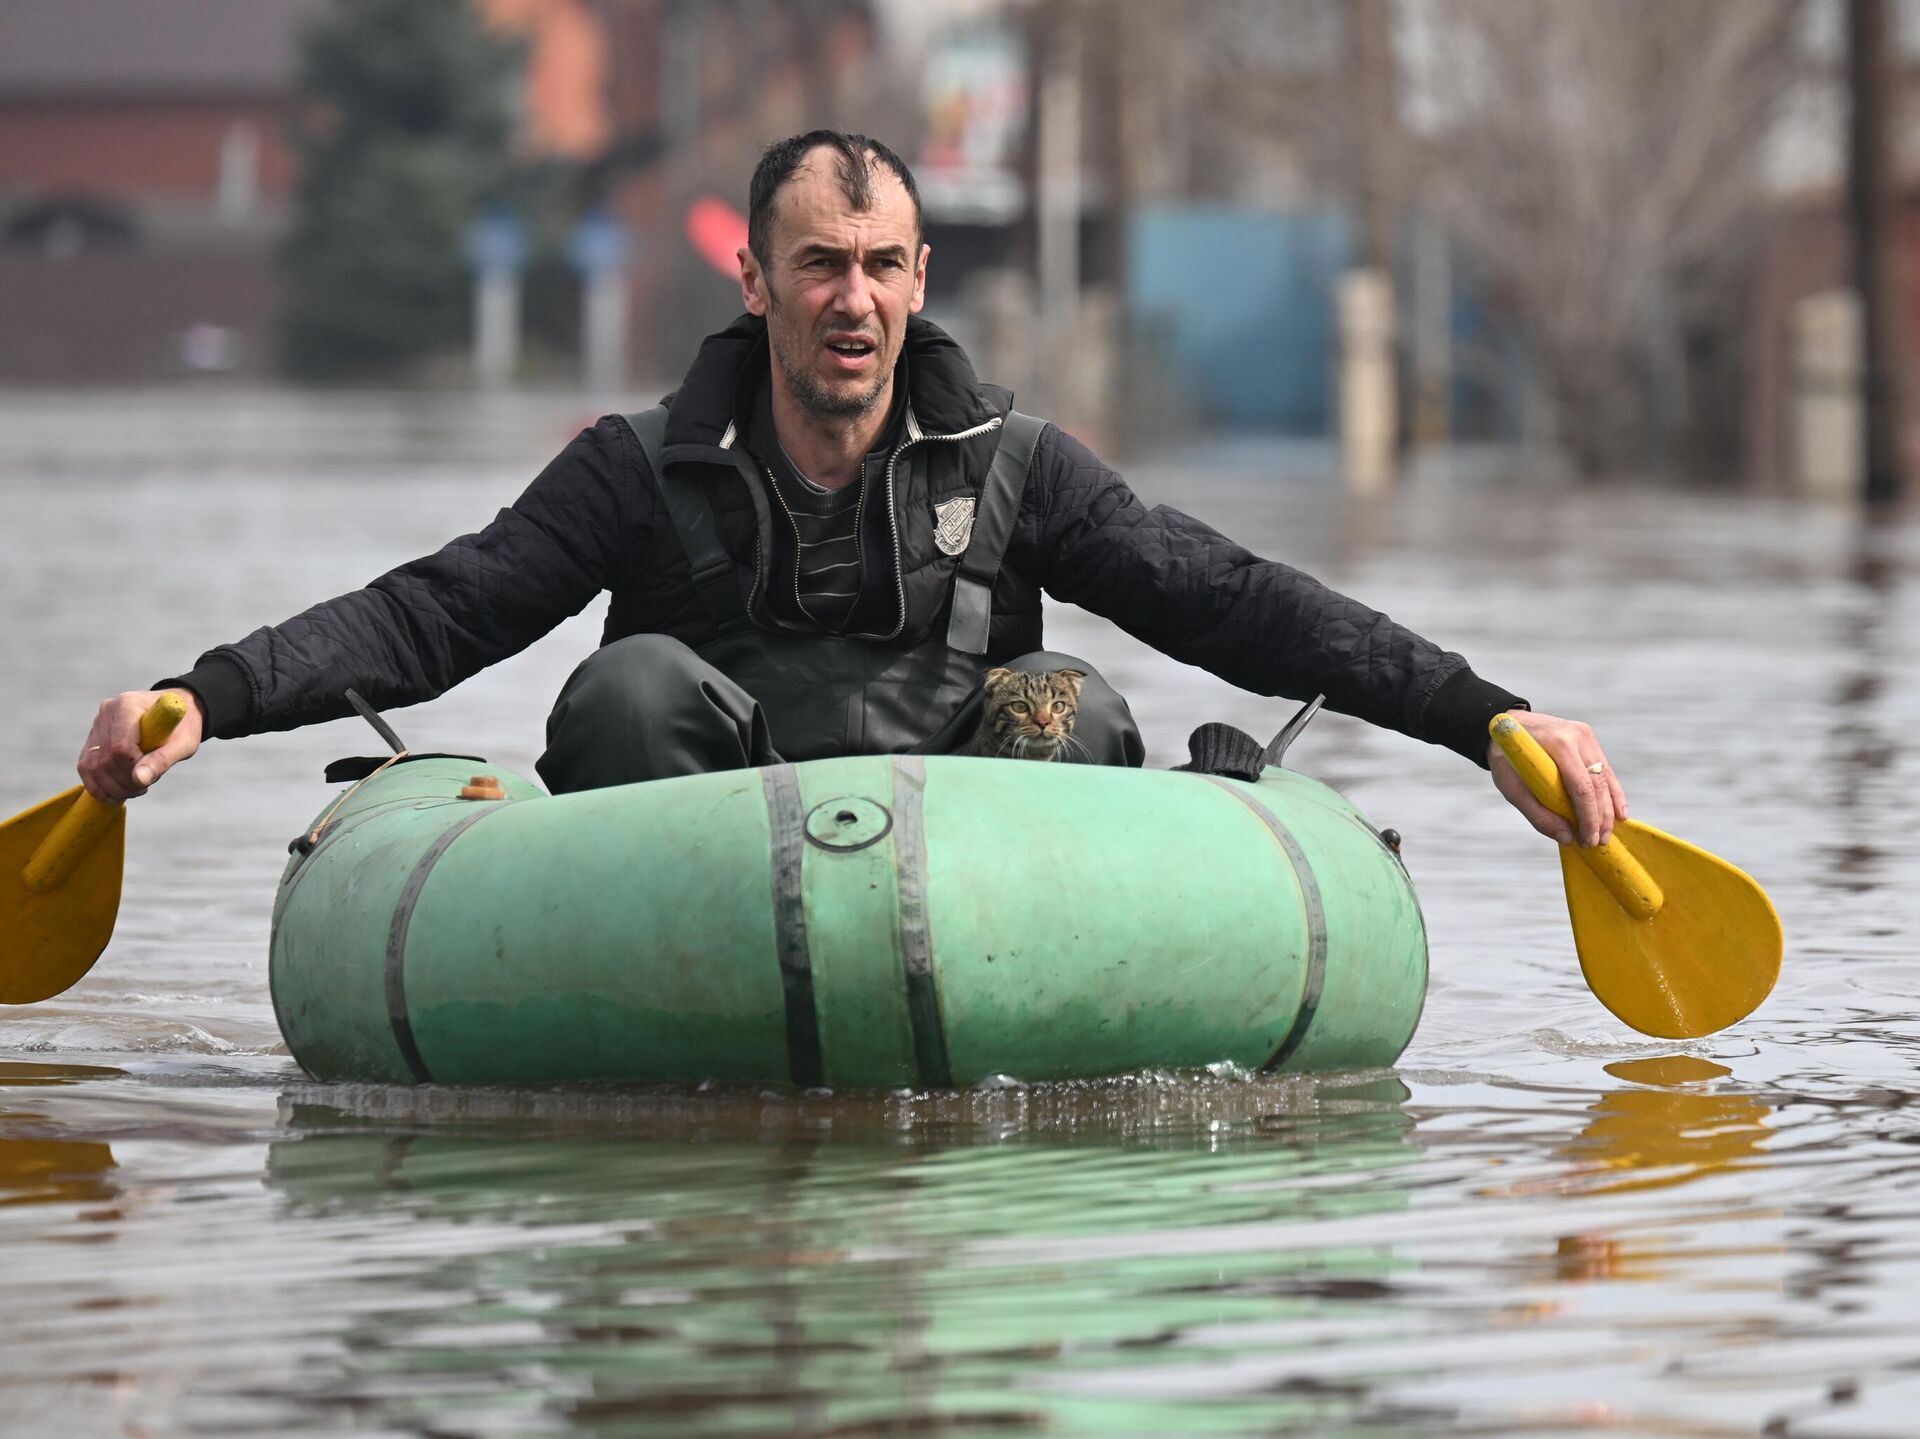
[143, 176]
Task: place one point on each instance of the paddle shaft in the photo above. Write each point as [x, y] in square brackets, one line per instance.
[87, 818]
[1626, 879]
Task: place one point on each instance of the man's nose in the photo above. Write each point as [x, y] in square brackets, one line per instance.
[856, 293]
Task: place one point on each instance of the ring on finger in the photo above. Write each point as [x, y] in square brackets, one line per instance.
[1599, 766]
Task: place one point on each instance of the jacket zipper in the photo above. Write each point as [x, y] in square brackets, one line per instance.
[758, 556]
[893, 518]
[893, 525]
[798, 603]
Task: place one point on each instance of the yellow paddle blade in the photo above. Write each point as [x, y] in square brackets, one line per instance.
[1675, 941]
[1704, 961]
[49, 940]
[60, 865]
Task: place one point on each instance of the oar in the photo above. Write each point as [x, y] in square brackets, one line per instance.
[1675, 941]
[60, 879]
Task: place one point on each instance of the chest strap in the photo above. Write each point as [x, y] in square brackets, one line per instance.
[995, 512]
[714, 579]
[971, 615]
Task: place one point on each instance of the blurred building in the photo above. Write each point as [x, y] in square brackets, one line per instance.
[145, 173]
[143, 176]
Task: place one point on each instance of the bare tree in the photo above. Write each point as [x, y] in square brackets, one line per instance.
[1601, 159]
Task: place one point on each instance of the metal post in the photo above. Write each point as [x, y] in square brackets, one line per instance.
[1369, 398]
[1872, 210]
[1433, 334]
[1059, 258]
[496, 326]
[604, 331]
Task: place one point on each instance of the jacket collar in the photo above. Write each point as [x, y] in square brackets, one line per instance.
[715, 403]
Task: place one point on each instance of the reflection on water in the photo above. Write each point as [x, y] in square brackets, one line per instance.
[1540, 1223]
[18, 1074]
[1655, 1138]
[50, 1171]
[825, 1276]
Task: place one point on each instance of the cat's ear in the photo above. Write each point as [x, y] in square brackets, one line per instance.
[1074, 677]
[997, 676]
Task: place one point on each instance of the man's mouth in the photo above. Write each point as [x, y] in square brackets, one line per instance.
[851, 352]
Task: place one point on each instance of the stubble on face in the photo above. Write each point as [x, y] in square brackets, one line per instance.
[793, 350]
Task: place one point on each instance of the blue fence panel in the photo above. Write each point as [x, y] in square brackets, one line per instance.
[1243, 300]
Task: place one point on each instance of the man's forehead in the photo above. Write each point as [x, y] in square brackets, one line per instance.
[812, 208]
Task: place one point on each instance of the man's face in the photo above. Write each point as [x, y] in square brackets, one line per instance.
[838, 287]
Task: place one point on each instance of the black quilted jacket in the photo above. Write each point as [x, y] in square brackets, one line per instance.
[591, 522]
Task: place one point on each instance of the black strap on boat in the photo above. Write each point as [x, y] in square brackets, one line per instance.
[787, 824]
[398, 1016]
[714, 578]
[971, 614]
[1315, 978]
[930, 1055]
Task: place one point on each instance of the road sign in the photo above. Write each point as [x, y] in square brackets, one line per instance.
[598, 244]
[496, 243]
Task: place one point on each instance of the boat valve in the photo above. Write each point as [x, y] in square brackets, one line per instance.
[483, 786]
[1391, 839]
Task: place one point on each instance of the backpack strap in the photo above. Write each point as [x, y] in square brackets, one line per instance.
[691, 511]
[998, 507]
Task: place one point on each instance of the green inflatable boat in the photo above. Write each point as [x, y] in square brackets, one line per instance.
[883, 920]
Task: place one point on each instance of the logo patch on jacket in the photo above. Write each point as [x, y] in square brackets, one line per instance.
[955, 525]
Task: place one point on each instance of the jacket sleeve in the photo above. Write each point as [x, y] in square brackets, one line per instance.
[1179, 585]
[418, 630]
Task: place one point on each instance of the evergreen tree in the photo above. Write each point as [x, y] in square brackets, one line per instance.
[410, 108]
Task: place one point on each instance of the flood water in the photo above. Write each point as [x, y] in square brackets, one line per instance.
[1538, 1223]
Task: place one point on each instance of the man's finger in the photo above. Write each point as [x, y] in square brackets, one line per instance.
[157, 762]
[1544, 819]
[1507, 780]
[124, 745]
[1619, 795]
[1592, 801]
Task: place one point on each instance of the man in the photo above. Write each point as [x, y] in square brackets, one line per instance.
[819, 545]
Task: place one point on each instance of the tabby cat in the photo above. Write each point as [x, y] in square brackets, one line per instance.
[1028, 715]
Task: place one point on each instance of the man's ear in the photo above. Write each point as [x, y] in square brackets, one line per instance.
[920, 281]
[753, 282]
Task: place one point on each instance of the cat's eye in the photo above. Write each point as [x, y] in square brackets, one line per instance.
[1018, 707]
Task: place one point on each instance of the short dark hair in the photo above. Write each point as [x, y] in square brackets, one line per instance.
[858, 155]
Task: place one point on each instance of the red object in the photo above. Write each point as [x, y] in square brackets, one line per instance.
[718, 232]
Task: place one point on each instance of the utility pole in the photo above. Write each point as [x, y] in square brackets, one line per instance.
[1873, 210]
[1369, 415]
[1377, 97]
[1059, 168]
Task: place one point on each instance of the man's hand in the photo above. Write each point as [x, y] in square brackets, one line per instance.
[1598, 801]
[111, 764]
